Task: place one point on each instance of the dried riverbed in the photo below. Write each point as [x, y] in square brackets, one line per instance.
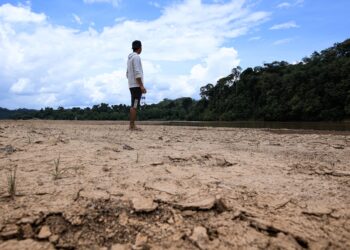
[97, 185]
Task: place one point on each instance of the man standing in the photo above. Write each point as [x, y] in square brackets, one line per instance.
[134, 73]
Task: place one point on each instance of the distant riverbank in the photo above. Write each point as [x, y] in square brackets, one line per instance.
[336, 126]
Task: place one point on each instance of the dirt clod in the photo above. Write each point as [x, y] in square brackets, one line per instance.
[27, 231]
[140, 242]
[44, 233]
[200, 237]
[9, 232]
[144, 205]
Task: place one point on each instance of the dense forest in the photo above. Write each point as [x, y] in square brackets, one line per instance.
[315, 89]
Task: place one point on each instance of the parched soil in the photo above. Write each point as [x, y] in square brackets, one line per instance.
[97, 185]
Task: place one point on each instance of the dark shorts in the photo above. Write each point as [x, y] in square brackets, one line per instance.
[136, 94]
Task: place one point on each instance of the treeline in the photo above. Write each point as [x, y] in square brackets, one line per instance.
[17, 114]
[316, 89]
[165, 110]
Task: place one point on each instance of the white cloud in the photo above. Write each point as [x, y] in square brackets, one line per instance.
[68, 67]
[283, 41]
[287, 25]
[216, 65]
[21, 86]
[119, 19]
[286, 5]
[77, 19]
[13, 14]
[113, 2]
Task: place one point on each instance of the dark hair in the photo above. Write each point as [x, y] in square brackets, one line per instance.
[136, 45]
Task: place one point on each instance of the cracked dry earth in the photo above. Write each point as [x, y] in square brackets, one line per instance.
[96, 185]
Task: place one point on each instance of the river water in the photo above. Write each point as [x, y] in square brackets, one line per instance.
[332, 126]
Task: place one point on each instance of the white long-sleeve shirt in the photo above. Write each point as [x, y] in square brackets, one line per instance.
[134, 70]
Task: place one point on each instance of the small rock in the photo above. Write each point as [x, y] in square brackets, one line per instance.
[127, 147]
[140, 241]
[27, 231]
[188, 213]
[106, 168]
[283, 241]
[123, 218]
[27, 220]
[171, 220]
[144, 205]
[200, 237]
[222, 162]
[10, 232]
[120, 247]
[178, 236]
[204, 204]
[27, 244]
[44, 232]
[220, 204]
[321, 244]
[54, 238]
[317, 211]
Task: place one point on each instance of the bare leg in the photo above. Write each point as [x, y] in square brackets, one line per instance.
[132, 118]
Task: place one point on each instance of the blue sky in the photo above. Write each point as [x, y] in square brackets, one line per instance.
[73, 53]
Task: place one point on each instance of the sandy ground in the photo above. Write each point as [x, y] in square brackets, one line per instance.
[96, 185]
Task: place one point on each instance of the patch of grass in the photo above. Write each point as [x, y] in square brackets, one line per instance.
[11, 182]
[57, 172]
[29, 139]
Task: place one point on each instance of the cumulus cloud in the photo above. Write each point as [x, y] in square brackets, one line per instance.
[46, 64]
[216, 65]
[13, 14]
[287, 25]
